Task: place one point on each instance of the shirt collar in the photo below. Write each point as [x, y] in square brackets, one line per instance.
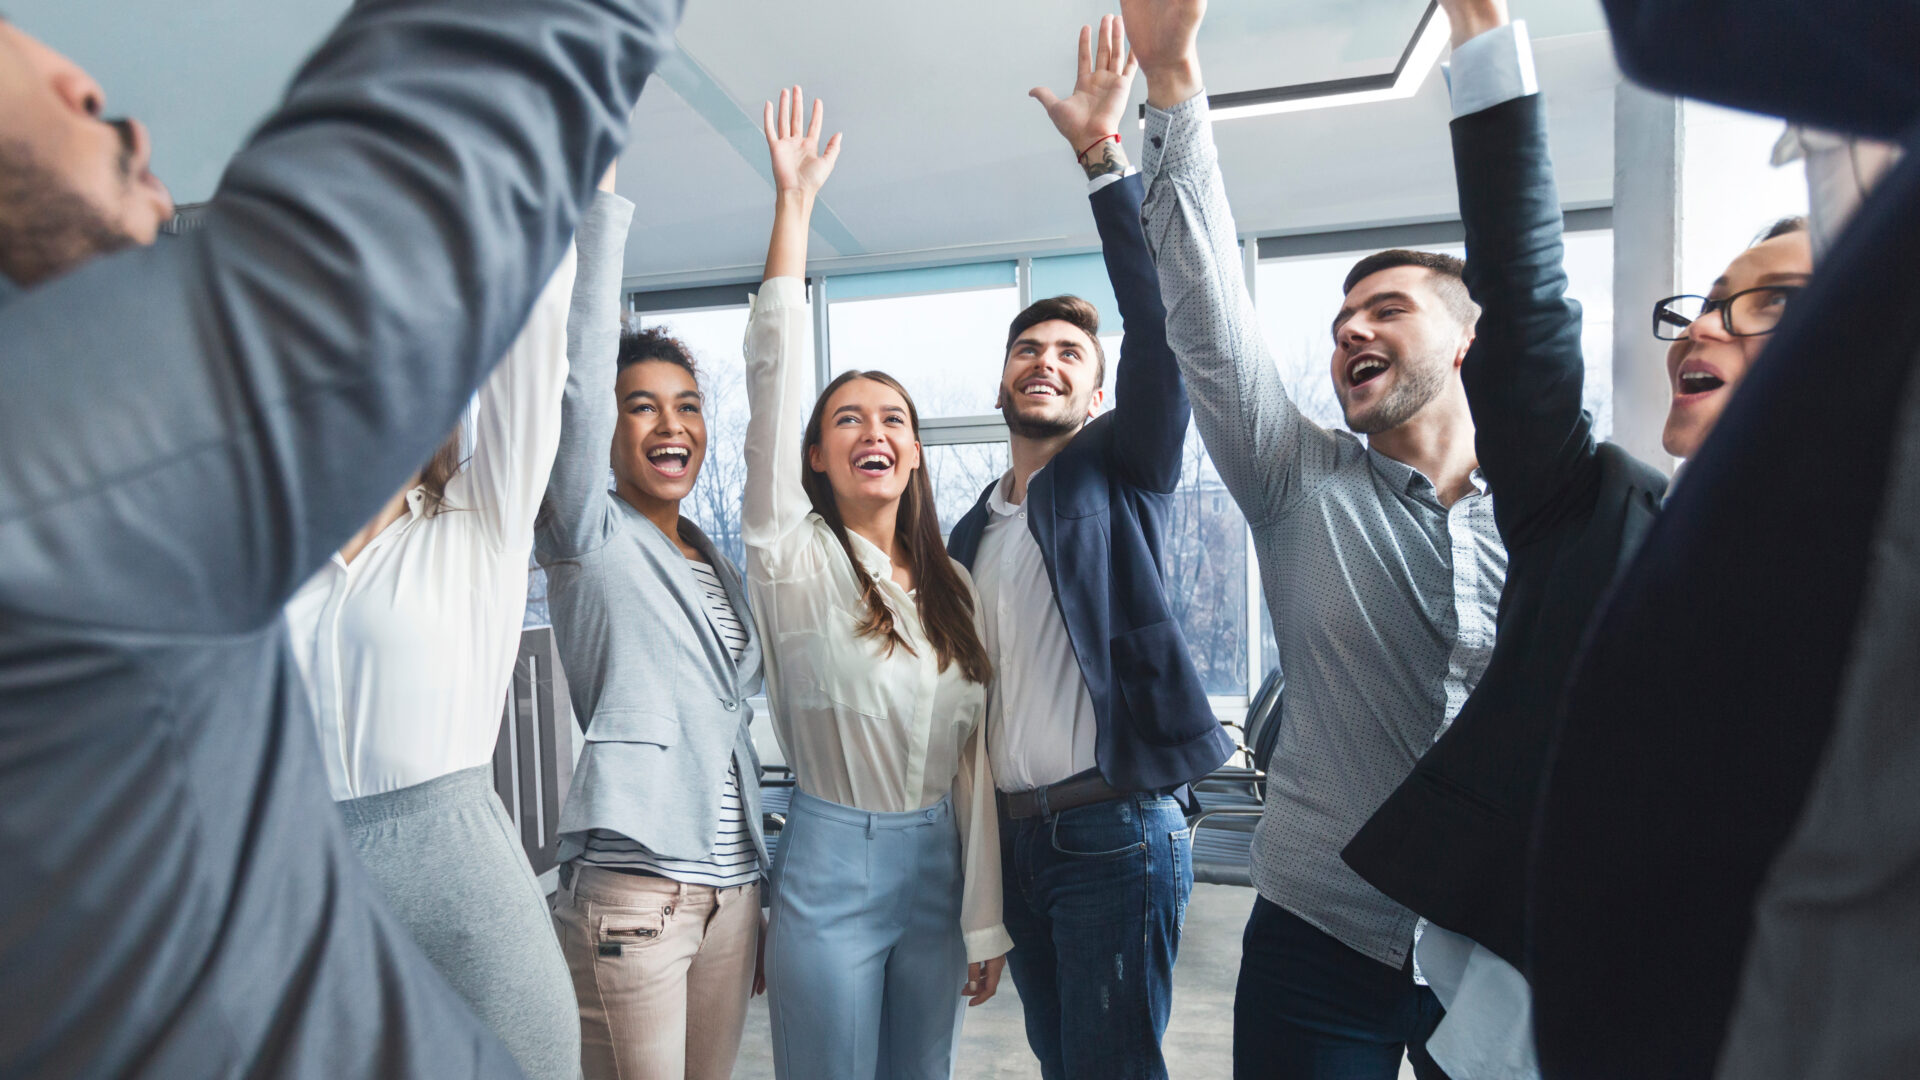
[1412, 480]
[416, 502]
[871, 558]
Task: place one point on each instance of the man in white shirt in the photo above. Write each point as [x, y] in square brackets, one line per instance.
[1095, 713]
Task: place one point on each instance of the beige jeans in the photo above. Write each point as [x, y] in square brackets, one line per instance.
[663, 971]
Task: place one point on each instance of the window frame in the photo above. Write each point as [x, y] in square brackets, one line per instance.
[647, 297]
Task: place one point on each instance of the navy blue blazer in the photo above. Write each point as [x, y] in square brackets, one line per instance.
[1099, 511]
[1699, 714]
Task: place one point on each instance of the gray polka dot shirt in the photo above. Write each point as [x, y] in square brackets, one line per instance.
[1383, 601]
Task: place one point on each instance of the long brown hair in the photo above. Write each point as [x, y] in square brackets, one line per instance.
[441, 468]
[945, 604]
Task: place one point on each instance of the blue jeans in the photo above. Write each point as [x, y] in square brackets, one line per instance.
[1094, 901]
[1310, 1008]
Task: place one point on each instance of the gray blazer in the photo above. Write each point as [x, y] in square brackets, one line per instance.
[662, 701]
[178, 895]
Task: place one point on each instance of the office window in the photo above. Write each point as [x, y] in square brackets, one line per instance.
[1206, 563]
[960, 472]
[944, 339]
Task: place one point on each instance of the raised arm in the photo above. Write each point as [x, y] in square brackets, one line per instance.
[1150, 402]
[574, 518]
[1525, 369]
[1847, 65]
[1266, 450]
[779, 343]
[188, 430]
[516, 422]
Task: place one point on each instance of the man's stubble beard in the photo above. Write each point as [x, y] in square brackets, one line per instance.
[1028, 428]
[46, 227]
[1416, 388]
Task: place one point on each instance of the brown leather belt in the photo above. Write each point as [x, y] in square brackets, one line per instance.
[1083, 789]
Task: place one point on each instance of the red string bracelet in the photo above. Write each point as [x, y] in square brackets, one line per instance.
[1083, 154]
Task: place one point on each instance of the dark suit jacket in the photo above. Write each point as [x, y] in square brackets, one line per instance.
[1451, 842]
[187, 432]
[1099, 511]
[1698, 715]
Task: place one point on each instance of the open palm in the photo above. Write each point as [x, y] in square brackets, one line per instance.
[1100, 90]
[799, 162]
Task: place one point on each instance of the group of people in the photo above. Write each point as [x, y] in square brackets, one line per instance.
[1555, 793]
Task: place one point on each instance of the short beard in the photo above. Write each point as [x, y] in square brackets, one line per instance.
[46, 227]
[1417, 387]
[1033, 428]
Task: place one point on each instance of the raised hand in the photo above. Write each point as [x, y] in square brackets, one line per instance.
[1165, 38]
[799, 164]
[1471, 18]
[1098, 103]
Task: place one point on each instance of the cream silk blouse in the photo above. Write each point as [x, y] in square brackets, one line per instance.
[880, 732]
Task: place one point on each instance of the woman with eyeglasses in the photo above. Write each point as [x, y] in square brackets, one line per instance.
[1717, 337]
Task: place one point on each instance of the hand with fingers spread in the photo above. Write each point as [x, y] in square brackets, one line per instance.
[1090, 117]
[1165, 35]
[799, 163]
[1471, 18]
[800, 167]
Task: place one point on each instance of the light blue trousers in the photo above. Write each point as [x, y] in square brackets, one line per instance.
[864, 955]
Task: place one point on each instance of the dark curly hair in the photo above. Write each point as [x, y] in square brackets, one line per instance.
[655, 343]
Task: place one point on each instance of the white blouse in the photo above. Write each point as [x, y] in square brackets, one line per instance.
[408, 650]
[882, 732]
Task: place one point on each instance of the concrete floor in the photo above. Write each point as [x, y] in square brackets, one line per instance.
[1198, 1044]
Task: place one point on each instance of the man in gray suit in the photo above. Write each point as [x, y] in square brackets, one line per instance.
[186, 431]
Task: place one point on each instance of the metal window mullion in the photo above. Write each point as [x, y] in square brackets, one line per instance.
[822, 337]
[1023, 280]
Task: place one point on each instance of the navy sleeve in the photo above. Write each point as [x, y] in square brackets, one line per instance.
[1150, 401]
[1525, 370]
[1848, 65]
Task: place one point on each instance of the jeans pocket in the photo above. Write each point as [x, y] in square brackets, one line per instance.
[618, 930]
[1097, 841]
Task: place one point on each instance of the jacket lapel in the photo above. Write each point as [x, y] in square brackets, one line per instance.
[964, 542]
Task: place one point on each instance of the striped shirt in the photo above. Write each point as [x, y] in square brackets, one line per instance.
[733, 860]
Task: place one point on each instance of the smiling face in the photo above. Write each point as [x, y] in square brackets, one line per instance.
[1051, 382]
[73, 185]
[1396, 343]
[867, 447]
[661, 438]
[1706, 366]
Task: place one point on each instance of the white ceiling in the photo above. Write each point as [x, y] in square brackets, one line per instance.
[944, 156]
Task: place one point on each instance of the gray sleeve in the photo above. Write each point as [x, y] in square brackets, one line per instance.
[574, 518]
[1267, 451]
[188, 430]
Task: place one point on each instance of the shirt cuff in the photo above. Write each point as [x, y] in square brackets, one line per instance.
[1104, 179]
[1179, 139]
[1494, 68]
[779, 292]
[984, 945]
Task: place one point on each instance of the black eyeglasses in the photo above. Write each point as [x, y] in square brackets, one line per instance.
[1749, 313]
